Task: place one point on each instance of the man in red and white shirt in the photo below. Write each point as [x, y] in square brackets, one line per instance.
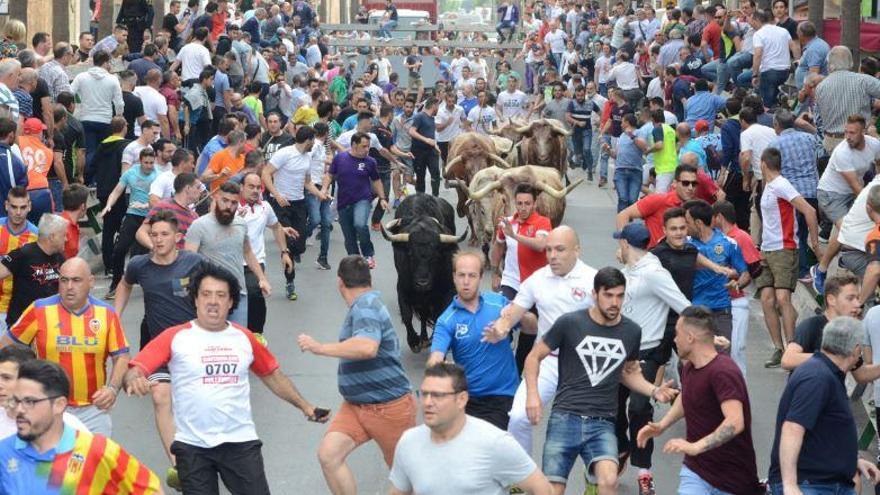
[778, 279]
[652, 207]
[209, 360]
[520, 244]
[724, 219]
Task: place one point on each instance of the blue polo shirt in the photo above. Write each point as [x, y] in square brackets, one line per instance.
[704, 105]
[490, 368]
[213, 145]
[709, 287]
[815, 398]
[381, 378]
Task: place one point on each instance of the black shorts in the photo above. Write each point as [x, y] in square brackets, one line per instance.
[492, 408]
[161, 374]
[240, 465]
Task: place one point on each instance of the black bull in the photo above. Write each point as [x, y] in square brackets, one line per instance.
[423, 237]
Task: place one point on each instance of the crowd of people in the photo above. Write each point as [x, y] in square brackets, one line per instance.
[741, 148]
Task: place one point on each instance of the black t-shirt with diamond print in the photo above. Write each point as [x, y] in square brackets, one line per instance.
[591, 359]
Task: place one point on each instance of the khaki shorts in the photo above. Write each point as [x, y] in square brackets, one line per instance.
[779, 270]
[384, 423]
[415, 83]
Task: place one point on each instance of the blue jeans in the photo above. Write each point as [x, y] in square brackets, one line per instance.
[319, 214]
[354, 220]
[604, 156]
[385, 31]
[768, 87]
[582, 145]
[510, 25]
[240, 314]
[808, 488]
[571, 435]
[57, 189]
[690, 483]
[730, 69]
[95, 132]
[628, 182]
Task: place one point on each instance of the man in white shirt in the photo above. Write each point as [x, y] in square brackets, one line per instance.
[192, 58]
[842, 180]
[464, 80]
[627, 76]
[155, 105]
[313, 52]
[163, 187]
[512, 102]
[753, 140]
[478, 458]
[384, 66]
[210, 361]
[457, 64]
[482, 117]
[563, 286]
[449, 121]
[555, 42]
[771, 61]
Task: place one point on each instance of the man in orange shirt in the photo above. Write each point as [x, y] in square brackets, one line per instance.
[38, 158]
[226, 162]
[74, 200]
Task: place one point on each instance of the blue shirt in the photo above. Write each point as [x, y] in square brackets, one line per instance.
[379, 379]
[468, 103]
[10, 164]
[138, 185]
[815, 54]
[445, 71]
[693, 146]
[815, 398]
[214, 145]
[799, 154]
[221, 84]
[709, 289]
[24, 470]
[629, 155]
[703, 105]
[490, 368]
[350, 122]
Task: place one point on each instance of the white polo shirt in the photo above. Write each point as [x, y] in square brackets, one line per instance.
[773, 41]
[257, 217]
[454, 129]
[193, 58]
[856, 224]
[845, 159]
[554, 295]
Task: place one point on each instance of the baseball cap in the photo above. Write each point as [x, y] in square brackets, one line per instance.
[33, 125]
[636, 234]
[702, 125]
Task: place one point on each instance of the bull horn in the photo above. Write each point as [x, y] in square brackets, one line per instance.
[556, 126]
[450, 164]
[478, 195]
[452, 239]
[455, 183]
[393, 237]
[500, 161]
[559, 193]
[525, 128]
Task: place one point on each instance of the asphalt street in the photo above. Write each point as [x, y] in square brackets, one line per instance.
[290, 442]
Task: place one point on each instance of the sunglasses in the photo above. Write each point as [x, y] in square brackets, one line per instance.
[688, 183]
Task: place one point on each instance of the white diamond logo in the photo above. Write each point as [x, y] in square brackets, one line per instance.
[600, 357]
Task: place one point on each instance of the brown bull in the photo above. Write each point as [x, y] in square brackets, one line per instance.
[491, 196]
[469, 153]
[544, 144]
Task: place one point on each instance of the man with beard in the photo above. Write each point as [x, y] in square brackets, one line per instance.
[275, 137]
[222, 237]
[598, 351]
[44, 443]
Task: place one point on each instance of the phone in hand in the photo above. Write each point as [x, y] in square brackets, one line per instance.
[320, 415]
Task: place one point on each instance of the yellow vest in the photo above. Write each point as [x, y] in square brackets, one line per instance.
[666, 159]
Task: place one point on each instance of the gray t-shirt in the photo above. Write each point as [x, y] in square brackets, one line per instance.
[221, 244]
[480, 460]
[556, 109]
[591, 359]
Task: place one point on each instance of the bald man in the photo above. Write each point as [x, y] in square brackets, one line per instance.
[564, 285]
[79, 332]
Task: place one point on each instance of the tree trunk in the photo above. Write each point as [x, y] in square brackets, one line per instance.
[107, 19]
[850, 29]
[817, 15]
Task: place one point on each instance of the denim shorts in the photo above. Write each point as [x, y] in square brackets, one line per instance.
[808, 488]
[571, 435]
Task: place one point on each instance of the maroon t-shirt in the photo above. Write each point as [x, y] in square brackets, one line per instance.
[730, 467]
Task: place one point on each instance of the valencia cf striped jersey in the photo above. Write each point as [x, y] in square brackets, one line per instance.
[79, 342]
[81, 463]
[10, 241]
